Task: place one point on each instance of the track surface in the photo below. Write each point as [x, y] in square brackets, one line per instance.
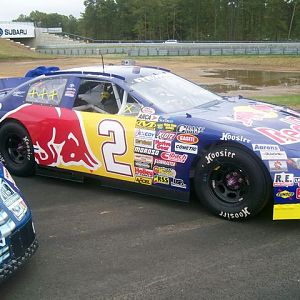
[99, 243]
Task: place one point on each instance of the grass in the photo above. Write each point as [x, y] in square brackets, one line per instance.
[11, 51]
[290, 101]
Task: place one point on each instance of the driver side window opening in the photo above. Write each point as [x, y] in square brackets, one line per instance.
[98, 96]
[132, 107]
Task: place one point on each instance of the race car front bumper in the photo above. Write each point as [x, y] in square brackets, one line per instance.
[23, 245]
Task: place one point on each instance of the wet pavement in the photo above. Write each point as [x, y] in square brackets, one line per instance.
[99, 243]
[235, 80]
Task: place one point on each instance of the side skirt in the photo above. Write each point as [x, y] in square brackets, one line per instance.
[114, 183]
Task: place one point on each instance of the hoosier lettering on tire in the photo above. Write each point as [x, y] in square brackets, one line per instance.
[232, 183]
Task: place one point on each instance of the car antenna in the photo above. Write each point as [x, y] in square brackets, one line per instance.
[102, 62]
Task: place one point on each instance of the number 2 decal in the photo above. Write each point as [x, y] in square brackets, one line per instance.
[117, 147]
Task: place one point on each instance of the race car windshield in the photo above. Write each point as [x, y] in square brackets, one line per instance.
[171, 93]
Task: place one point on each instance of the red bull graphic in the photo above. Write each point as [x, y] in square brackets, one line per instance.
[247, 114]
[284, 136]
[61, 138]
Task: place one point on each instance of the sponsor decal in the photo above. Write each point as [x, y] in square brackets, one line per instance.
[250, 113]
[166, 135]
[143, 180]
[168, 126]
[265, 147]
[158, 161]
[164, 171]
[144, 134]
[143, 158]
[294, 162]
[177, 182]
[278, 166]
[70, 91]
[284, 136]
[61, 145]
[215, 155]
[190, 129]
[19, 209]
[226, 136]
[193, 149]
[164, 120]
[19, 93]
[297, 180]
[13, 32]
[147, 117]
[172, 156]
[148, 110]
[7, 194]
[187, 138]
[283, 179]
[143, 143]
[162, 145]
[143, 172]
[161, 179]
[142, 165]
[146, 124]
[285, 194]
[298, 193]
[242, 214]
[1, 31]
[150, 78]
[270, 155]
[146, 151]
[7, 176]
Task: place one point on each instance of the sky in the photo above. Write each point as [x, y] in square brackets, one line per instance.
[11, 9]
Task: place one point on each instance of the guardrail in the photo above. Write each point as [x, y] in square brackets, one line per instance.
[178, 49]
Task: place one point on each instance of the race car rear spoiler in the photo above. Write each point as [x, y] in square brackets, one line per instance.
[7, 84]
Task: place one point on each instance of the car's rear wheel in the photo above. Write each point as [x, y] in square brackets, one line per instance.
[16, 151]
[232, 183]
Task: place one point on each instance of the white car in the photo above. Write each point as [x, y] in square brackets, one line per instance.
[171, 42]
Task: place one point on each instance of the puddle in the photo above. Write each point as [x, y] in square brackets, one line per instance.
[251, 80]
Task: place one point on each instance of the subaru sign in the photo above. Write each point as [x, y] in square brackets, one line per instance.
[16, 30]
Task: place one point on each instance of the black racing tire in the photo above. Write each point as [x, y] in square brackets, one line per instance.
[232, 183]
[16, 150]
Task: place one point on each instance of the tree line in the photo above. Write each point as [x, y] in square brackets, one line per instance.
[189, 20]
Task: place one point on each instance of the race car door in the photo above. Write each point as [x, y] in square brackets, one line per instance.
[107, 118]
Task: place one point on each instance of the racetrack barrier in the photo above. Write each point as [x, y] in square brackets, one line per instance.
[179, 49]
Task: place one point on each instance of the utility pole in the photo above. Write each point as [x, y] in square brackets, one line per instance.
[292, 19]
[174, 28]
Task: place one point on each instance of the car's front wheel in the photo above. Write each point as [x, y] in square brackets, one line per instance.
[16, 151]
[232, 183]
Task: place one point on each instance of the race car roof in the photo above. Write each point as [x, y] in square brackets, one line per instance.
[128, 73]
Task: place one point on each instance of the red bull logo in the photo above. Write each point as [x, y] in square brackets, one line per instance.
[248, 114]
[60, 138]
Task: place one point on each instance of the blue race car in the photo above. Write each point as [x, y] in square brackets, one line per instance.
[146, 129]
[17, 236]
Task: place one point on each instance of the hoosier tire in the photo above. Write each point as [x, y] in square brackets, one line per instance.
[16, 151]
[232, 183]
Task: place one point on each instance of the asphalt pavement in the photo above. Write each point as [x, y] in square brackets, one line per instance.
[100, 243]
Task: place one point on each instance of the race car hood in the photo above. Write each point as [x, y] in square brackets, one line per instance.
[244, 113]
